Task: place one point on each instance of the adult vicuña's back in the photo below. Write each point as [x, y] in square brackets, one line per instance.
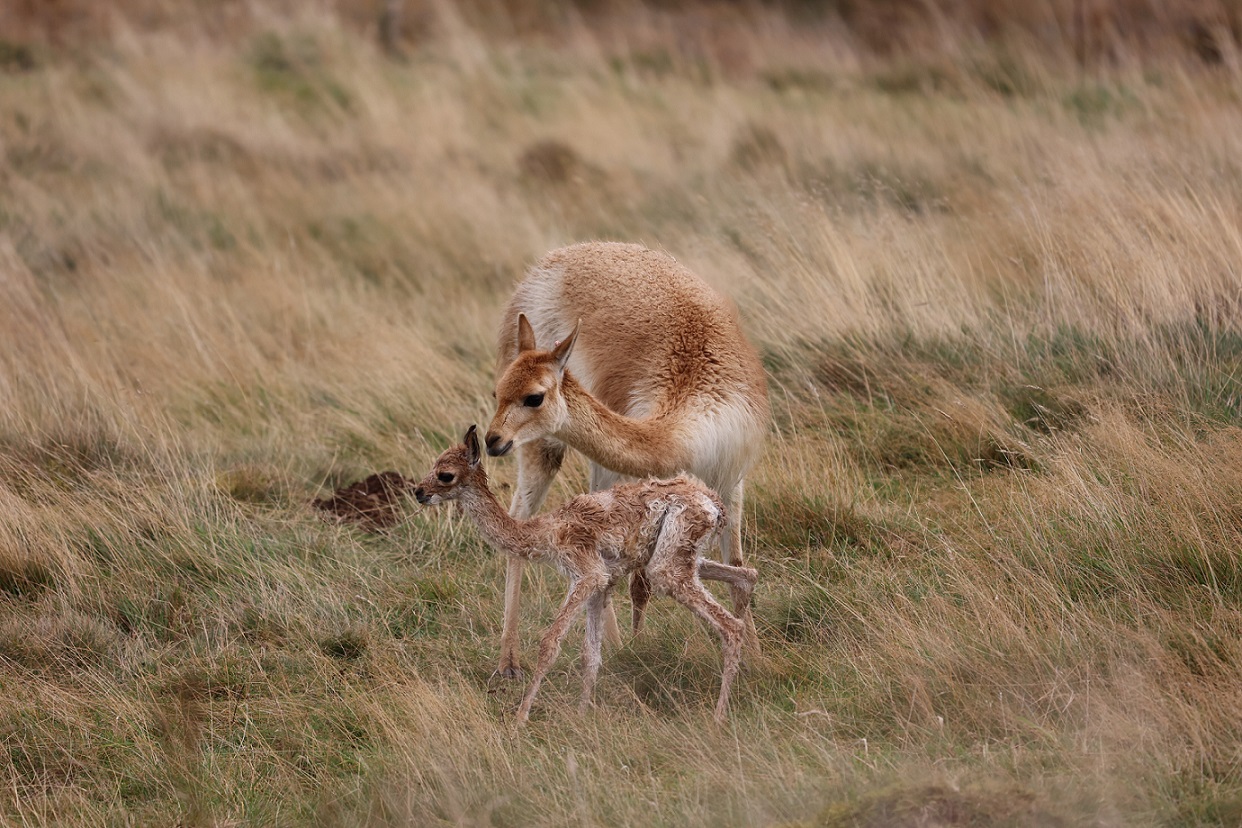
[624, 354]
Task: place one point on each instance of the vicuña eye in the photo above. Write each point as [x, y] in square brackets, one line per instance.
[445, 477]
[533, 400]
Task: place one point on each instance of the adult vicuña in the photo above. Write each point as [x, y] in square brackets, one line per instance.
[650, 375]
[662, 528]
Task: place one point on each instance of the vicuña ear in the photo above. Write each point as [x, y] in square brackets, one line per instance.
[472, 445]
[565, 347]
[526, 334]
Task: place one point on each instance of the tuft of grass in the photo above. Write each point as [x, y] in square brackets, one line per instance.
[44, 641]
[347, 646]
[943, 804]
[756, 147]
[795, 521]
[798, 79]
[1044, 410]
[870, 184]
[24, 575]
[550, 161]
[17, 57]
[254, 485]
[293, 67]
[1092, 104]
[1005, 73]
[912, 78]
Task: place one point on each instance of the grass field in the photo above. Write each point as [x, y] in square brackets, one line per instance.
[997, 521]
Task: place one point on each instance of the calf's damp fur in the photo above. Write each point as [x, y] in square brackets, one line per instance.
[661, 530]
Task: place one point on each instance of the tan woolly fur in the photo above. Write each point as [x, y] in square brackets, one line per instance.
[661, 529]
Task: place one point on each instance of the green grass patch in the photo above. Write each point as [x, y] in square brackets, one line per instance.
[295, 68]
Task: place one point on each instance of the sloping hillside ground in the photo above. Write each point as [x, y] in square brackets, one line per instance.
[998, 519]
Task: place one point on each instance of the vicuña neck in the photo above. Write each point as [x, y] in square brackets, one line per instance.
[632, 447]
[500, 529]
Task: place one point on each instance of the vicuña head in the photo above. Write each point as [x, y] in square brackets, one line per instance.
[458, 465]
[529, 402]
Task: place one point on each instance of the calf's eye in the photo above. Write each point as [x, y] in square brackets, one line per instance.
[533, 400]
[444, 477]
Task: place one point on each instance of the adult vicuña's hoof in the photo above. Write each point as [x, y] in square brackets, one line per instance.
[511, 671]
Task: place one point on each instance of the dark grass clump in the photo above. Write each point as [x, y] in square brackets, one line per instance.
[346, 646]
[939, 804]
[756, 147]
[550, 162]
[17, 57]
[57, 644]
[255, 486]
[295, 69]
[23, 576]
[1045, 410]
[803, 522]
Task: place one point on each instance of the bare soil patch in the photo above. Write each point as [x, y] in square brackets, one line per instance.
[373, 503]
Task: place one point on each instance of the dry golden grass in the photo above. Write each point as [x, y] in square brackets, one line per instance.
[997, 522]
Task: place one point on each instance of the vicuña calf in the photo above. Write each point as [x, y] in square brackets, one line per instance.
[661, 528]
[657, 379]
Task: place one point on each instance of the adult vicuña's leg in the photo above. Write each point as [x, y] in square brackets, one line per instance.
[550, 645]
[731, 553]
[602, 478]
[538, 463]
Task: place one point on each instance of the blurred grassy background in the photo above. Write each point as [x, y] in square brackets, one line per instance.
[989, 252]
